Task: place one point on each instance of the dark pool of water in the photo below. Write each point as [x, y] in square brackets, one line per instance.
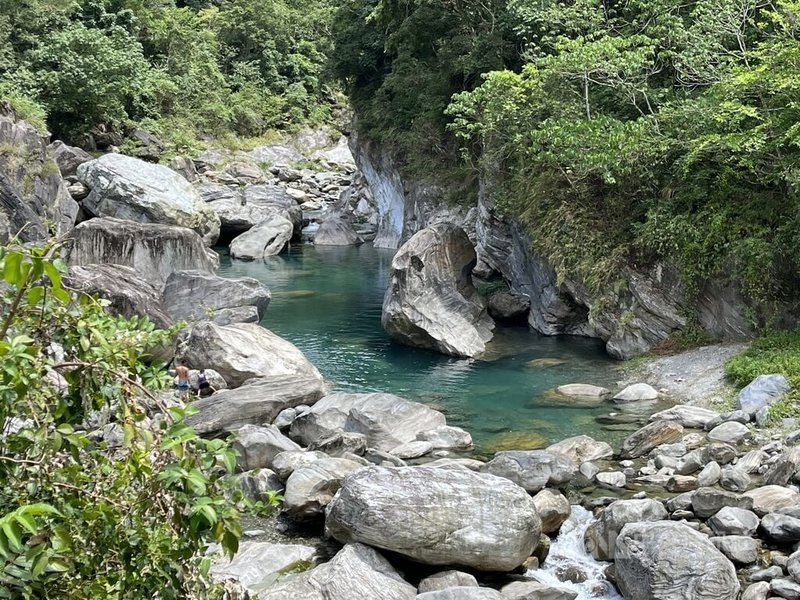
[327, 301]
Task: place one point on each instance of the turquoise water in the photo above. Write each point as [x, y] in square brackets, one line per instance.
[327, 301]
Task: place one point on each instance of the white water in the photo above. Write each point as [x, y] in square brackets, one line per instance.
[568, 554]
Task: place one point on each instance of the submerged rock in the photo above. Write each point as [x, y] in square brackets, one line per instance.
[431, 302]
[437, 516]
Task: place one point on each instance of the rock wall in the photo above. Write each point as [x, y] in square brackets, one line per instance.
[33, 198]
[646, 311]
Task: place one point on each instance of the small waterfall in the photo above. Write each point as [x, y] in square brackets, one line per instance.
[568, 560]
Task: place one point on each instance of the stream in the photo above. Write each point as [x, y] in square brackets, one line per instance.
[327, 301]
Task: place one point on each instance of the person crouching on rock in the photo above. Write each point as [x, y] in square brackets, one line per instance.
[182, 372]
[204, 386]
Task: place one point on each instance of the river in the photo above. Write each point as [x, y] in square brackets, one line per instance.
[327, 301]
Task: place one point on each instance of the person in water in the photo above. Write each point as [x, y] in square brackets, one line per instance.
[182, 371]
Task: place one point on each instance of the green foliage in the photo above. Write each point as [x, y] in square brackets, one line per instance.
[80, 519]
[194, 69]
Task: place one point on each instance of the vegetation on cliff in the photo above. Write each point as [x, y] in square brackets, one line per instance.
[619, 132]
[106, 492]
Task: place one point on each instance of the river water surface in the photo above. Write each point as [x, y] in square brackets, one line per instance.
[327, 301]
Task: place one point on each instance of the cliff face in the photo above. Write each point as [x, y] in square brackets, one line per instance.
[645, 311]
[34, 201]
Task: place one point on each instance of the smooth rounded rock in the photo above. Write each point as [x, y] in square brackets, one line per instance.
[446, 579]
[437, 516]
[730, 432]
[532, 469]
[730, 520]
[601, 536]
[553, 508]
[636, 393]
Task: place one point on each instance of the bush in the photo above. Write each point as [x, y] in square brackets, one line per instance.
[78, 518]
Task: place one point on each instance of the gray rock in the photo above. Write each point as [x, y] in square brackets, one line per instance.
[437, 516]
[553, 508]
[195, 295]
[127, 188]
[446, 437]
[532, 469]
[285, 418]
[412, 450]
[446, 579]
[785, 588]
[680, 502]
[650, 436]
[256, 565]
[259, 401]
[267, 238]
[462, 593]
[384, 459]
[767, 574]
[793, 566]
[286, 463]
[730, 432]
[243, 351]
[340, 443]
[68, 158]
[34, 202]
[781, 528]
[589, 470]
[601, 536]
[636, 393]
[239, 211]
[740, 416]
[336, 230]
[734, 479]
[258, 446]
[357, 572]
[258, 483]
[129, 294]
[153, 251]
[691, 462]
[707, 501]
[756, 591]
[582, 448]
[676, 450]
[185, 167]
[687, 415]
[311, 488]
[650, 565]
[730, 520]
[533, 590]
[764, 390]
[771, 498]
[709, 475]
[613, 479]
[431, 302]
[508, 306]
[751, 461]
[741, 549]
[783, 469]
[681, 483]
[387, 420]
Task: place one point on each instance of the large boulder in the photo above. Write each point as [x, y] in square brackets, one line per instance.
[129, 294]
[601, 536]
[763, 391]
[671, 561]
[771, 498]
[687, 415]
[258, 401]
[153, 251]
[387, 421]
[268, 238]
[242, 351]
[198, 295]
[257, 447]
[241, 210]
[582, 448]
[650, 436]
[437, 516]
[128, 188]
[532, 469]
[336, 230]
[356, 572]
[431, 302]
[34, 202]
